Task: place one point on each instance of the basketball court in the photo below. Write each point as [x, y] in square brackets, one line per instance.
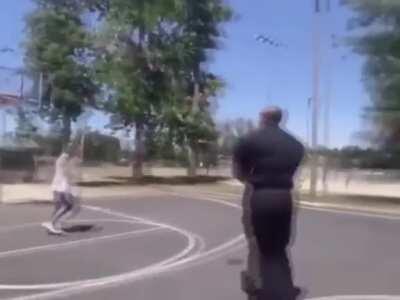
[185, 247]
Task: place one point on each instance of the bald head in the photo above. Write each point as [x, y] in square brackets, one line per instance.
[271, 116]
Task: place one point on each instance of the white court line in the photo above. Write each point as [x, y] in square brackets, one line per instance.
[169, 264]
[359, 297]
[9, 228]
[64, 285]
[30, 250]
[158, 268]
[310, 206]
[352, 213]
[349, 297]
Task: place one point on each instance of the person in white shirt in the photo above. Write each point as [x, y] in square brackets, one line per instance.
[66, 204]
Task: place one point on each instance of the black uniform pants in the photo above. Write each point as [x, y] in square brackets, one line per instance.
[267, 220]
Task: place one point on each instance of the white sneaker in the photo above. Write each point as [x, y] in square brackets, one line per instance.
[46, 225]
[51, 229]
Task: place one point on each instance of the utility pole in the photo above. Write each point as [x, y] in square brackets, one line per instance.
[315, 98]
[329, 76]
[22, 86]
[40, 96]
[308, 116]
[328, 99]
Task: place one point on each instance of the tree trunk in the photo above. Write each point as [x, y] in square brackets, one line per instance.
[192, 151]
[66, 131]
[192, 160]
[137, 166]
[82, 147]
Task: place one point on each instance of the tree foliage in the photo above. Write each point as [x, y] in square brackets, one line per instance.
[148, 58]
[229, 133]
[58, 47]
[379, 43]
[152, 61]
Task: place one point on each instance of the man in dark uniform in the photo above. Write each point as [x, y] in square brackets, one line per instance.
[266, 161]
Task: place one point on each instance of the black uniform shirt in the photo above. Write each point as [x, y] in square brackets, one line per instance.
[268, 158]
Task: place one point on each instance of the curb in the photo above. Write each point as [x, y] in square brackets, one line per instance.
[349, 209]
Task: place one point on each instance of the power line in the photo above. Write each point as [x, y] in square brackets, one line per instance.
[268, 40]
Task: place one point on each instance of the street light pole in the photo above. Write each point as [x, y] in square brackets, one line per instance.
[315, 99]
[328, 100]
[308, 116]
[40, 96]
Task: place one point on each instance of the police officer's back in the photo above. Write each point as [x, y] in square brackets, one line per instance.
[266, 160]
[269, 156]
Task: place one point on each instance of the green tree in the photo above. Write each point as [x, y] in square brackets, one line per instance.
[151, 57]
[153, 63]
[189, 128]
[131, 64]
[379, 43]
[230, 131]
[58, 46]
[200, 33]
[99, 148]
[25, 123]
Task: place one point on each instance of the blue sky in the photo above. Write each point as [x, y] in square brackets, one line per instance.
[256, 74]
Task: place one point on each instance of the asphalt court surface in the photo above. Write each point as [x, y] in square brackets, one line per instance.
[187, 247]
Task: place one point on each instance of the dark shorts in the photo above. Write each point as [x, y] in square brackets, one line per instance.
[64, 199]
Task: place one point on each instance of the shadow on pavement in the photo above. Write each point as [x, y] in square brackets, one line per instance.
[147, 180]
[82, 228]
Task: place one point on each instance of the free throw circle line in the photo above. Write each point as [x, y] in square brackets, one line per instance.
[173, 263]
[190, 246]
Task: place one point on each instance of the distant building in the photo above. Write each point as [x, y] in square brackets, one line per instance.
[17, 159]
[9, 99]
[15, 144]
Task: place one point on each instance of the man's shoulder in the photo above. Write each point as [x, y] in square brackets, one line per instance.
[249, 138]
[294, 142]
[256, 133]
